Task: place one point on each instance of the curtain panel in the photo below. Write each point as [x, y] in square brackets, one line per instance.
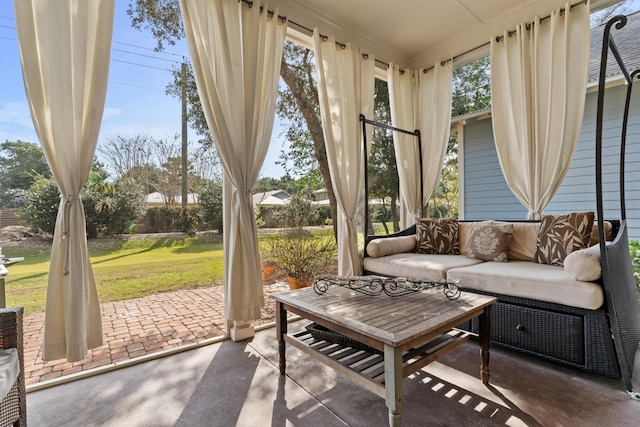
[538, 89]
[65, 47]
[420, 100]
[235, 52]
[345, 90]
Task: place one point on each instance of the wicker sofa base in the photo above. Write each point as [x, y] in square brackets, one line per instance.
[570, 336]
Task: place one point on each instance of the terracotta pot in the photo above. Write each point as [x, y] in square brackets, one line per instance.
[298, 282]
[268, 270]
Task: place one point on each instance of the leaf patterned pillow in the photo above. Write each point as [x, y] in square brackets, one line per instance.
[490, 241]
[562, 234]
[437, 236]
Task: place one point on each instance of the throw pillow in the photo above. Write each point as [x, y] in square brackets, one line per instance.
[437, 236]
[391, 245]
[562, 234]
[490, 241]
[584, 265]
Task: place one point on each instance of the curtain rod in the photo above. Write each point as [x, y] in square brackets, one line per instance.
[544, 18]
[310, 31]
[425, 70]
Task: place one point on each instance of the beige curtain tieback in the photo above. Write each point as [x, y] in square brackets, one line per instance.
[67, 204]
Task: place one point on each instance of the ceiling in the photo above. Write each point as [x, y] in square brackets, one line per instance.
[414, 33]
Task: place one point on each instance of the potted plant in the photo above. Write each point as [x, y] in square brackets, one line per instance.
[295, 251]
[300, 255]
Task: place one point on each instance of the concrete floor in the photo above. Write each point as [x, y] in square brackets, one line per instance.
[238, 384]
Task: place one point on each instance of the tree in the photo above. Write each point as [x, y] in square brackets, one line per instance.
[471, 88]
[602, 16]
[20, 164]
[383, 173]
[298, 102]
[132, 157]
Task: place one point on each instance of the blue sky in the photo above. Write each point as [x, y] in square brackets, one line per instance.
[136, 103]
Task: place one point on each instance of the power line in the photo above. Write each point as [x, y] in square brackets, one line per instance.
[142, 65]
[146, 56]
[136, 86]
[148, 48]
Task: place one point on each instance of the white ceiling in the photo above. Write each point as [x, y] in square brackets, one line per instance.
[415, 33]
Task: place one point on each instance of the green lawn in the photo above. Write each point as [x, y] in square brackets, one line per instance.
[123, 269]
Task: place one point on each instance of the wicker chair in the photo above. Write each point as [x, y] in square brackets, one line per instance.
[13, 407]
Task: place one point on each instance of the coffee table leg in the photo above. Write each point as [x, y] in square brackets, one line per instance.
[281, 328]
[484, 339]
[393, 383]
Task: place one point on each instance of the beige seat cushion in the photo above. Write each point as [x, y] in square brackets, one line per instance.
[420, 266]
[9, 370]
[524, 279]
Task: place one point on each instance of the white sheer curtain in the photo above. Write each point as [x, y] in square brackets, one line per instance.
[538, 88]
[420, 100]
[235, 53]
[65, 48]
[345, 90]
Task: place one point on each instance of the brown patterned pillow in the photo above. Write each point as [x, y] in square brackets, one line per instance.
[562, 234]
[437, 236]
[490, 241]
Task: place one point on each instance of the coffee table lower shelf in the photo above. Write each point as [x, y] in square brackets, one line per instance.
[367, 368]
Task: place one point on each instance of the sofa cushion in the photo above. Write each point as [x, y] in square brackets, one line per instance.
[584, 264]
[524, 241]
[391, 245]
[420, 266]
[529, 280]
[437, 236]
[9, 370]
[608, 232]
[562, 234]
[465, 230]
[490, 241]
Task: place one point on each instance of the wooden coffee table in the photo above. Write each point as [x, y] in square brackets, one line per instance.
[409, 332]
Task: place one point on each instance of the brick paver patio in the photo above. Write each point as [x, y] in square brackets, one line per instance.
[141, 326]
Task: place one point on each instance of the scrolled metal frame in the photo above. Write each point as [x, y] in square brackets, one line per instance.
[394, 287]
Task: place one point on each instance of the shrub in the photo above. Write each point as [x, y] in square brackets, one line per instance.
[299, 254]
[167, 219]
[634, 249]
[189, 220]
[108, 208]
[112, 208]
[211, 205]
[299, 213]
[41, 205]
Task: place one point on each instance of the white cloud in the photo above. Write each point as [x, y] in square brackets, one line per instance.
[15, 114]
[110, 112]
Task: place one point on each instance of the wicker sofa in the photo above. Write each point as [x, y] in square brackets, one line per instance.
[541, 310]
[13, 407]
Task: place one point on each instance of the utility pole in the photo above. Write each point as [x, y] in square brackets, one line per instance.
[185, 172]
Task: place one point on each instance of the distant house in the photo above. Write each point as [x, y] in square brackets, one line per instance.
[321, 197]
[158, 199]
[271, 198]
[484, 193]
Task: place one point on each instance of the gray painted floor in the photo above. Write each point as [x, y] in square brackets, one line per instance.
[238, 384]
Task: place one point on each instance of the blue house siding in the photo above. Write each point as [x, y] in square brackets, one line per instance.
[487, 195]
[577, 191]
